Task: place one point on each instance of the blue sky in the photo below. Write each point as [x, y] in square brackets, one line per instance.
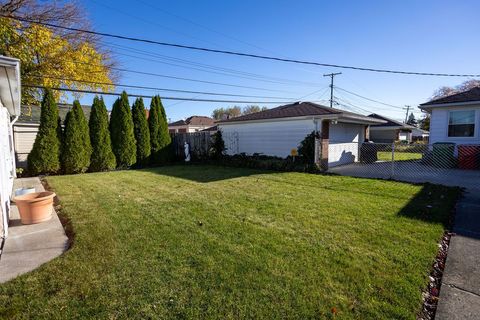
[427, 36]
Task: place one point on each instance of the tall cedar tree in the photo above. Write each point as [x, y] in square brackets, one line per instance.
[76, 149]
[45, 155]
[142, 133]
[102, 155]
[121, 132]
[159, 136]
[218, 146]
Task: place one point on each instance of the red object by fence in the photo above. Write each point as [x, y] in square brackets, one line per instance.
[469, 157]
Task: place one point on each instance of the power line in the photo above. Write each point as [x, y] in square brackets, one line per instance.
[312, 93]
[162, 89]
[352, 105]
[208, 71]
[206, 66]
[149, 96]
[182, 78]
[369, 99]
[242, 54]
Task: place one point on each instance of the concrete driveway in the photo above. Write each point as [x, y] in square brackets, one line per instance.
[412, 171]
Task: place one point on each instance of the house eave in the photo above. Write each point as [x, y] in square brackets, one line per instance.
[428, 107]
[339, 117]
[309, 117]
[10, 92]
[375, 128]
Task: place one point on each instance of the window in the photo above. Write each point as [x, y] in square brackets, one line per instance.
[461, 123]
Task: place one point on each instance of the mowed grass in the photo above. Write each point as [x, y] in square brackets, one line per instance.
[205, 242]
[399, 156]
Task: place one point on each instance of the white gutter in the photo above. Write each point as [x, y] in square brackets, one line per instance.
[451, 104]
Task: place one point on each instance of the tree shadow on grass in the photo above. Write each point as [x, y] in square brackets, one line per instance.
[434, 203]
[205, 173]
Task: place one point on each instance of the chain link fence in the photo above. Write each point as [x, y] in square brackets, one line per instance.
[444, 163]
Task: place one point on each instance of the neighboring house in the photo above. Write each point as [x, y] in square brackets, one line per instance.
[393, 130]
[455, 118]
[9, 111]
[191, 124]
[26, 129]
[277, 131]
[420, 134]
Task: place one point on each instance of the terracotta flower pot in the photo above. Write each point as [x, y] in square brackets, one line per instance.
[35, 207]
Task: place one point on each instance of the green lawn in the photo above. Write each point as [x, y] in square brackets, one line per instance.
[399, 156]
[204, 242]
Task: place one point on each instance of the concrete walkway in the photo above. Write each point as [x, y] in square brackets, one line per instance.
[460, 291]
[29, 246]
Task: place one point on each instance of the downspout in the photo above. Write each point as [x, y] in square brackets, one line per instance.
[14, 166]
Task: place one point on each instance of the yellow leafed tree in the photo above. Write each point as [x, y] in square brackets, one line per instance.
[52, 58]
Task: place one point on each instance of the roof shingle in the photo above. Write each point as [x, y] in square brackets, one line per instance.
[194, 121]
[297, 109]
[466, 96]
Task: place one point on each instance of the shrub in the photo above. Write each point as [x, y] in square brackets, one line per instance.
[159, 136]
[121, 132]
[45, 155]
[263, 162]
[76, 149]
[141, 131]
[102, 155]
[218, 145]
[306, 149]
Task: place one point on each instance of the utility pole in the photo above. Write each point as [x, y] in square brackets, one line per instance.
[406, 115]
[331, 75]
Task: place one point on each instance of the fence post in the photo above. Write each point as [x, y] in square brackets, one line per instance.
[392, 174]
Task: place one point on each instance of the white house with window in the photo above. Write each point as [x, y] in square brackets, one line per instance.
[455, 118]
[9, 112]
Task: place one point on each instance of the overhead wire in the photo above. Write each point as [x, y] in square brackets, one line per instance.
[161, 89]
[241, 54]
[150, 96]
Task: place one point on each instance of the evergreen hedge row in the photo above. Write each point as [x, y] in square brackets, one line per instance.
[129, 138]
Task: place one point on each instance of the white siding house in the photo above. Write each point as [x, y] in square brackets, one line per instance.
[455, 118]
[393, 130]
[275, 132]
[9, 110]
[191, 124]
[439, 124]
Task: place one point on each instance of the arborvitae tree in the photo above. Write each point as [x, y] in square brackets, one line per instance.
[218, 145]
[45, 155]
[102, 155]
[306, 149]
[411, 120]
[154, 126]
[159, 135]
[142, 133]
[121, 132]
[60, 138]
[76, 149]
